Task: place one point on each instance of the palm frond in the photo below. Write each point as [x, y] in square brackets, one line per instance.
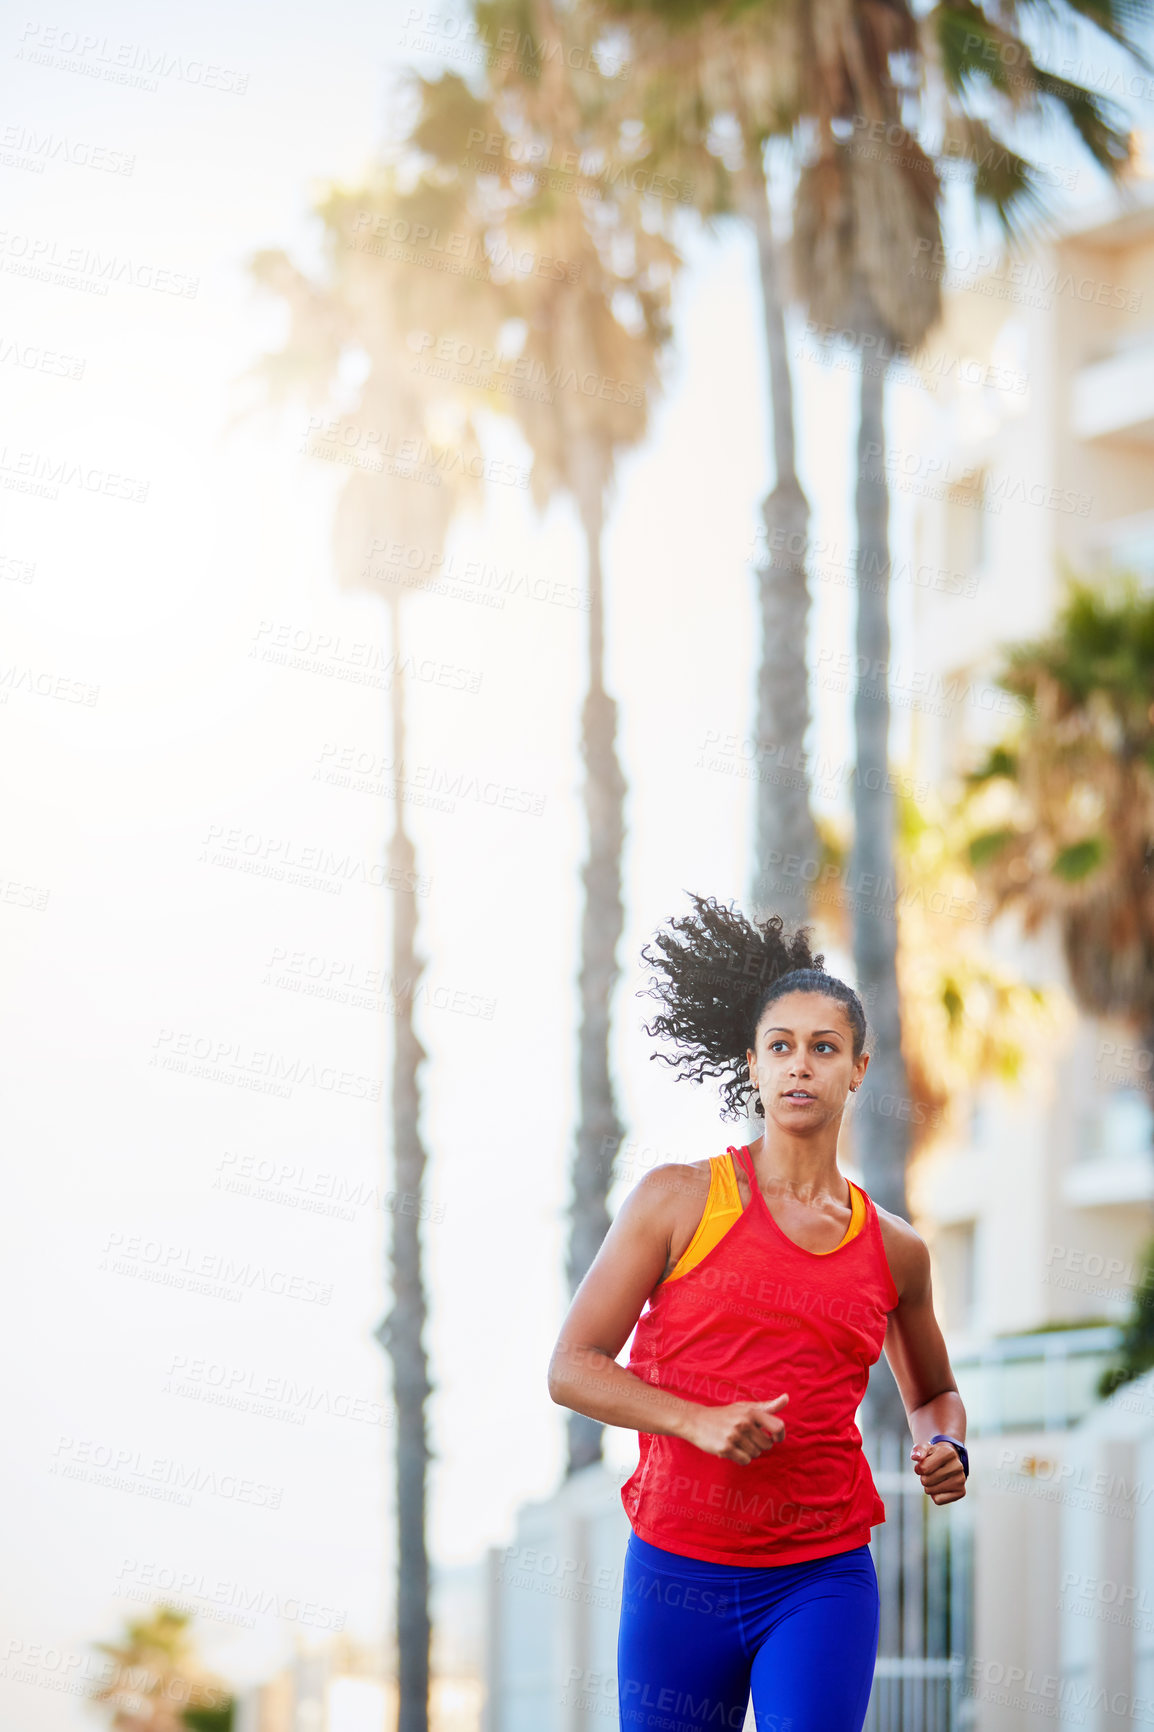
[1004, 182]
[1101, 126]
[1061, 815]
[1125, 22]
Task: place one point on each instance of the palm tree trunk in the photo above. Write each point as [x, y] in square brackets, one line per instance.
[880, 1123]
[599, 1131]
[786, 837]
[401, 1333]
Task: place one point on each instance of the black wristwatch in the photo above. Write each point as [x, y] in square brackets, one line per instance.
[940, 1437]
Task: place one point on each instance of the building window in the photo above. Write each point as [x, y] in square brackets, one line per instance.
[1120, 1128]
[955, 1249]
[967, 526]
[979, 1123]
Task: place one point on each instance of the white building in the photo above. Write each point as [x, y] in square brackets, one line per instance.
[1041, 461]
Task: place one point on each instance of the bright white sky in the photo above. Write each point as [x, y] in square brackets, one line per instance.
[150, 943]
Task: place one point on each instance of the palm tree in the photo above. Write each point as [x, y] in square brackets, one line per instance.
[711, 88]
[605, 319]
[785, 822]
[1061, 812]
[606, 316]
[370, 298]
[156, 1681]
[855, 217]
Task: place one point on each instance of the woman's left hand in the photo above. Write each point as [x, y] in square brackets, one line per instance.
[940, 1469]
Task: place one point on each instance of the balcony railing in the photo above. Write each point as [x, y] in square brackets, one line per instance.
[1046, 1380]
[1115, 396]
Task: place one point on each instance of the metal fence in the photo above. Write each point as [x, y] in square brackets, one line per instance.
[923, 1555]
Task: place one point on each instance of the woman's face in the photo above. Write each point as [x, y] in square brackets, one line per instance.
[803, 1063]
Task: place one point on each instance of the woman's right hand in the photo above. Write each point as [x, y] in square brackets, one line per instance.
[739, 1432]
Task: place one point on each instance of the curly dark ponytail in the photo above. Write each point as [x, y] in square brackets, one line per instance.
[715, 982]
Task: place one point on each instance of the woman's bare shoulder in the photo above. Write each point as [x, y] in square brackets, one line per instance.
[666, 1193]
[906, 1251]
[667, 1204]
[673, 1173]
[660, 1186]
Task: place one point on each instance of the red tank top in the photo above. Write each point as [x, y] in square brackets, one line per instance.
[759, 1317]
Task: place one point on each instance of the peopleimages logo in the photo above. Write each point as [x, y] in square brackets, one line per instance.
[744, 1511]
[198, 1589]
[24, 147]
[130, 63]
[214, 1273]
[933, 476]
[441, 573]
[225, 1059]
[477, 363]
[35, 255]
[125, 1468]
[1018, 278]
[588, 165]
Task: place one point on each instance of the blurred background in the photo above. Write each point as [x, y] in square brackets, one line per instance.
[471, 478]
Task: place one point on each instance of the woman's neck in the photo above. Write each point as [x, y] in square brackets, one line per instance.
[801, 1167]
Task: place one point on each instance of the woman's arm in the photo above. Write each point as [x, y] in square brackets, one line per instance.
[917, 1356]
[583, 1372]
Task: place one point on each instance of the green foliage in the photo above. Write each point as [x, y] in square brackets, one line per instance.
[155, 1666]
[1000, 762]
[967, 42]
[449, 112]
[1135, 1353]
[1058, 1325]
[1079, 860]
[953, 1002]
[1061, 812]
[1004, 182]
[991, 77]
[219, 1719]
[984, 847]
[1102, 641]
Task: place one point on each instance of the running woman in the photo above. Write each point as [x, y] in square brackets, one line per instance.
[761, 1285]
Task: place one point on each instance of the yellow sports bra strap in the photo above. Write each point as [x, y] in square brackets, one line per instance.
[857, 1216]
[728, 1195]
[722, 1207]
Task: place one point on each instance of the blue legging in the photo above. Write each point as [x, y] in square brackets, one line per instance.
[696, 1639]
